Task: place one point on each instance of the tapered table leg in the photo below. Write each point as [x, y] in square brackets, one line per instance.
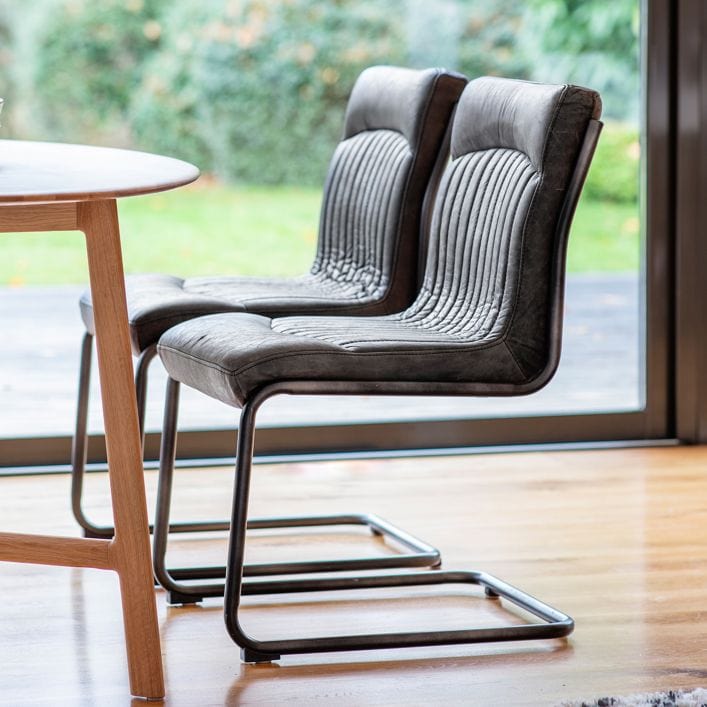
[99, 221]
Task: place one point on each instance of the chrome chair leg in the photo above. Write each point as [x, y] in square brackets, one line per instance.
[182, 584]
[80, 445]
[80, 440]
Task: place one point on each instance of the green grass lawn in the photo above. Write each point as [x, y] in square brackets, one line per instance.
[604, 237]
[212, 228]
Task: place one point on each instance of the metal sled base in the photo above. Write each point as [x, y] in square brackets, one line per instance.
[554, 624]
[182, 584]
[181, 592]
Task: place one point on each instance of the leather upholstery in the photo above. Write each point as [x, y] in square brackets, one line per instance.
[483, 312]
[370, 223]
[499, 116]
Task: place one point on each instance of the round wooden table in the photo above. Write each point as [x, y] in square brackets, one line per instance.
[57, 187]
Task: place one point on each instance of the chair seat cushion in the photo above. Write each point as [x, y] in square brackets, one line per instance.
[158, 302]
[229, 356]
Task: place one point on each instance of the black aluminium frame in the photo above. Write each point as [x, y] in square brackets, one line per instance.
[691, 217]
[663, 22]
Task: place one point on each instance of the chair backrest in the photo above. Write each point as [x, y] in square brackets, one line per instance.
[395, 126]
[496, 260]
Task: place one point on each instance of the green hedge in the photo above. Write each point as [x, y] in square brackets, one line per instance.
[263, 84]
[614, 172]
[254, 90]
[88, 64]
[164, 111]
[257, 89]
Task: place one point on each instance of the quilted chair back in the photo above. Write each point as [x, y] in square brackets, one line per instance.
[395, 126]
[495, 238]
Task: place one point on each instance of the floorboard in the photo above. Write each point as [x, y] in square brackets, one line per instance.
[615, 538]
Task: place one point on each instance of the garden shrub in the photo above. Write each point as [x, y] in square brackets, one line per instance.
[264, 83]
[492, 39]
[88, 65]
[614, 172]
[163, 112]
[588, 42]
[255, 90]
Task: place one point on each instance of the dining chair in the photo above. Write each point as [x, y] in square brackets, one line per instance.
[487, 321]
[394, 145]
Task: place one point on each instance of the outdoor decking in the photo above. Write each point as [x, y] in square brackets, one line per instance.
[39, 364]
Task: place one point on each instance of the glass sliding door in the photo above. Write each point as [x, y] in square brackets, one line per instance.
[254, 93]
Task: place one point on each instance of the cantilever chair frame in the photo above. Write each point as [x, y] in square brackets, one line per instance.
[180, 582]
[187, 592]
[554, 624]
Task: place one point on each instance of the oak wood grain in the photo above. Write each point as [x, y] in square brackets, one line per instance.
[50, 550]
[99, 222]
[22, 218]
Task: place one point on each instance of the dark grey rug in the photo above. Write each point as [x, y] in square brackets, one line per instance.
[672, 698]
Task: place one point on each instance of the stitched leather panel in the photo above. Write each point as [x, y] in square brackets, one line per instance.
[358, 221]
[358, 230]
[357, 234]
[466, 296]
[453, 331]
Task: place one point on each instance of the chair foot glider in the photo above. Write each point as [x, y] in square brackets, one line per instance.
[487, 321]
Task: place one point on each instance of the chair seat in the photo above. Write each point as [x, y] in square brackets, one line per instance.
[229, 356]
[157, 302]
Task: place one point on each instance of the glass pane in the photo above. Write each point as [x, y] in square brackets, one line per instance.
[254, 93]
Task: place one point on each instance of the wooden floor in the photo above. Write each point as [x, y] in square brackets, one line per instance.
[617, 539]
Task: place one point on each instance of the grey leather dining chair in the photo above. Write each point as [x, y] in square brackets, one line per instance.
[487, 321]
[394, 143]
